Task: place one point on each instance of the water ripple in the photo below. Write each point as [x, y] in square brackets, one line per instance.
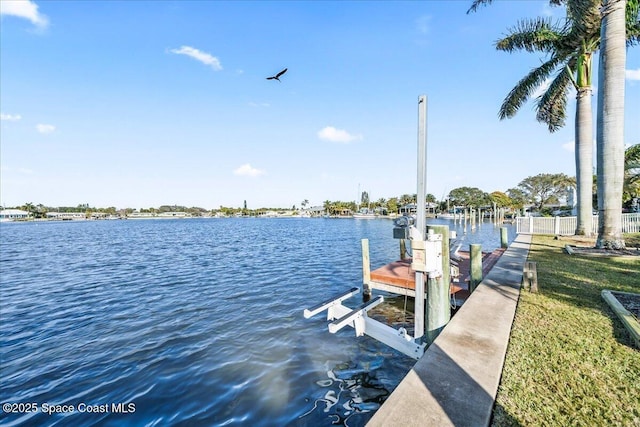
[194, 321]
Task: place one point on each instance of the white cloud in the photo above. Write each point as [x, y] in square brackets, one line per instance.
[24, 9]
[259, 104]
[10, 117]
[332, 134]
[198, 55]
[42, 128]
[248, 170]
[632, 74]
[422, 24]
[422, 28]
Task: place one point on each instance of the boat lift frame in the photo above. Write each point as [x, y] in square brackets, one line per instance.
[426, 264]
[341, 316]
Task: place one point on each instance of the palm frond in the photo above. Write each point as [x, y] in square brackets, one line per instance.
[633, 22]
[632, 157]
[477, 3]
[582, 26]
[523, 90]
[584, 15]
[552, 104]
[537, 34]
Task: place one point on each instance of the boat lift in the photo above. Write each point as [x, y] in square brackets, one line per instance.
[427, 263]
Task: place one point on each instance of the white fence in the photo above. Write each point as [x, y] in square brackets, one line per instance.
[566, 225]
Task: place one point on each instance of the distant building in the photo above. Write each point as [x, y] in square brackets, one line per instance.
[147, 215]
[316, 211]
[173, 215]
[13, 215]
[134, 215]
[66, 216]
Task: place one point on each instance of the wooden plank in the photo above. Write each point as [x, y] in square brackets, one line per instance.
[399, 278]
[627, 319]
[398, 273]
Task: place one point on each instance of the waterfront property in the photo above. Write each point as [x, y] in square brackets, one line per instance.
[13, 215]
[66, 216]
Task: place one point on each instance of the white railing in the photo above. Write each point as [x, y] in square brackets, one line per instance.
[631, 223]
[566, 225]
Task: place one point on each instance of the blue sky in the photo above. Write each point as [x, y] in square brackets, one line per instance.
[142, 104]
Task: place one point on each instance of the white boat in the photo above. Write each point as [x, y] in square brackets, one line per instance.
[446, 216]
[365, 213]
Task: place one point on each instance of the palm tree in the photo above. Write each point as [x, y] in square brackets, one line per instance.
[610, 127]
[407, 199]
[569, 49]
[327, 207]
[626, 15]
[29, 207]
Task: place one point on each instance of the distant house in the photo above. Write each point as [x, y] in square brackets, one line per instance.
[343, 213]
[412, 208]
[316, 211]
[172, 215]
[66, 216]
[408, 209]
[147, 215]
[141, 215]
[13, 215]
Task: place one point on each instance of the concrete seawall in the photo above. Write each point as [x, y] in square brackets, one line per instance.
[456, 380]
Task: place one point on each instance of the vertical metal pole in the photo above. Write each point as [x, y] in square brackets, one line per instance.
[420, 212]
[366, 271]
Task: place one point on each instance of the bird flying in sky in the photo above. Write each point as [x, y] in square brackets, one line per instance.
[277, 76]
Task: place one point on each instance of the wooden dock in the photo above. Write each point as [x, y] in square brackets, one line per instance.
[399, 278]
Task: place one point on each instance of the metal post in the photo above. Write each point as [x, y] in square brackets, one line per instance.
[366, 270]
[420, 212]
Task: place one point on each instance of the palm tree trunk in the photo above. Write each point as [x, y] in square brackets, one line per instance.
[584, 161]
[610, 130]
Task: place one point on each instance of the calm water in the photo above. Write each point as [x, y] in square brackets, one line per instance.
[190, 322]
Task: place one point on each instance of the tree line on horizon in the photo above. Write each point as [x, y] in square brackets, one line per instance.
[537, 191]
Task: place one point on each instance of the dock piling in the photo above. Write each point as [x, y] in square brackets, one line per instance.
[438, 311]
[403, 249]
[504, 240]
[475, 254]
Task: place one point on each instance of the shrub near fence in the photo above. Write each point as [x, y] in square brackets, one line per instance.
[566, 225]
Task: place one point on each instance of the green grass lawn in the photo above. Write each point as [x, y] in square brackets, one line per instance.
[570, 361]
